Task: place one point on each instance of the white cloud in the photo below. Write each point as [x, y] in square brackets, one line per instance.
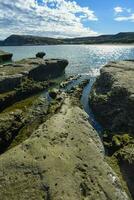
[118, 9]
[125, 18]
[53, 18]
[123, 14]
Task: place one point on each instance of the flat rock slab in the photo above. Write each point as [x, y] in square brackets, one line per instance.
[62, 160]
[38, 69]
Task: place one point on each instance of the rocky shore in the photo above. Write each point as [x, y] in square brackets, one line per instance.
[49, 150]
[112, 101]
[62, 159]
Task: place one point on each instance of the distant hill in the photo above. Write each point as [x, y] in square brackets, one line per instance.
[118, 38]
[18, 40]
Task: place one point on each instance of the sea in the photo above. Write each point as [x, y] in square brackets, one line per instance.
[84, 60]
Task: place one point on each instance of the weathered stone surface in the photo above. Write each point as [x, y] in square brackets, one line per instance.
[10, 123]
[63, 159]
[113, 104]
[112, 97]
[4, 56]
[11, 75]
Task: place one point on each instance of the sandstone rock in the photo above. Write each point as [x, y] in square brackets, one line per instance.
[63, 159]
[38, 69]
[113, 105]
[112, 97]
[40, 55]
[5, 57]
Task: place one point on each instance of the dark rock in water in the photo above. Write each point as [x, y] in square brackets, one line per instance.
[5, 57]
[40, 55]
[47, 69]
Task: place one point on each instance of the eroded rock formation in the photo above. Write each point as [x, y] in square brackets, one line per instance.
[112, 100]
[63, 159]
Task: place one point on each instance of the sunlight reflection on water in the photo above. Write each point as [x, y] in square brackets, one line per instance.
[83, 59]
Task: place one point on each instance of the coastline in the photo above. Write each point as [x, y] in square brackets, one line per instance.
[50, 136]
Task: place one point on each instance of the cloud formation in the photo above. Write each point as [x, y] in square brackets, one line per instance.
[118, 9]
[123, 14]
[53, 18]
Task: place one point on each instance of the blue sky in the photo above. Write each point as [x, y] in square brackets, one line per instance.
[106, 17]
[65, 18]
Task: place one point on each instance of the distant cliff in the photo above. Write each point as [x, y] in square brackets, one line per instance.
[18, 40]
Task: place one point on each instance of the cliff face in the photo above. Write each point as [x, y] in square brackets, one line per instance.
[112, 101]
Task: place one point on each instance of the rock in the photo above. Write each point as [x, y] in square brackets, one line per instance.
[53, 93]
[48, 69]
[112, 97]
[125, 157]
[113, 105]
[8, 83]
[5, 57]
[10, 123]
[11, 75]
[40, 55]
[62, 159]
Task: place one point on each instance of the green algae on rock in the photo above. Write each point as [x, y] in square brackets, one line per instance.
[112, 97]
[112, 101]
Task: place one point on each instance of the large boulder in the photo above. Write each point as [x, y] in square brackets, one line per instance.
[112, 97]
[112, 100]
[40, 55]
[37, 69]
[63, 159]
[5, 57]
[47, 69]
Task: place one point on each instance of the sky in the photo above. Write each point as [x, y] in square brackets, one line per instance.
[65, 18]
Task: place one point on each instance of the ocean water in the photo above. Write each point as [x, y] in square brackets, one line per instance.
[83, 59]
